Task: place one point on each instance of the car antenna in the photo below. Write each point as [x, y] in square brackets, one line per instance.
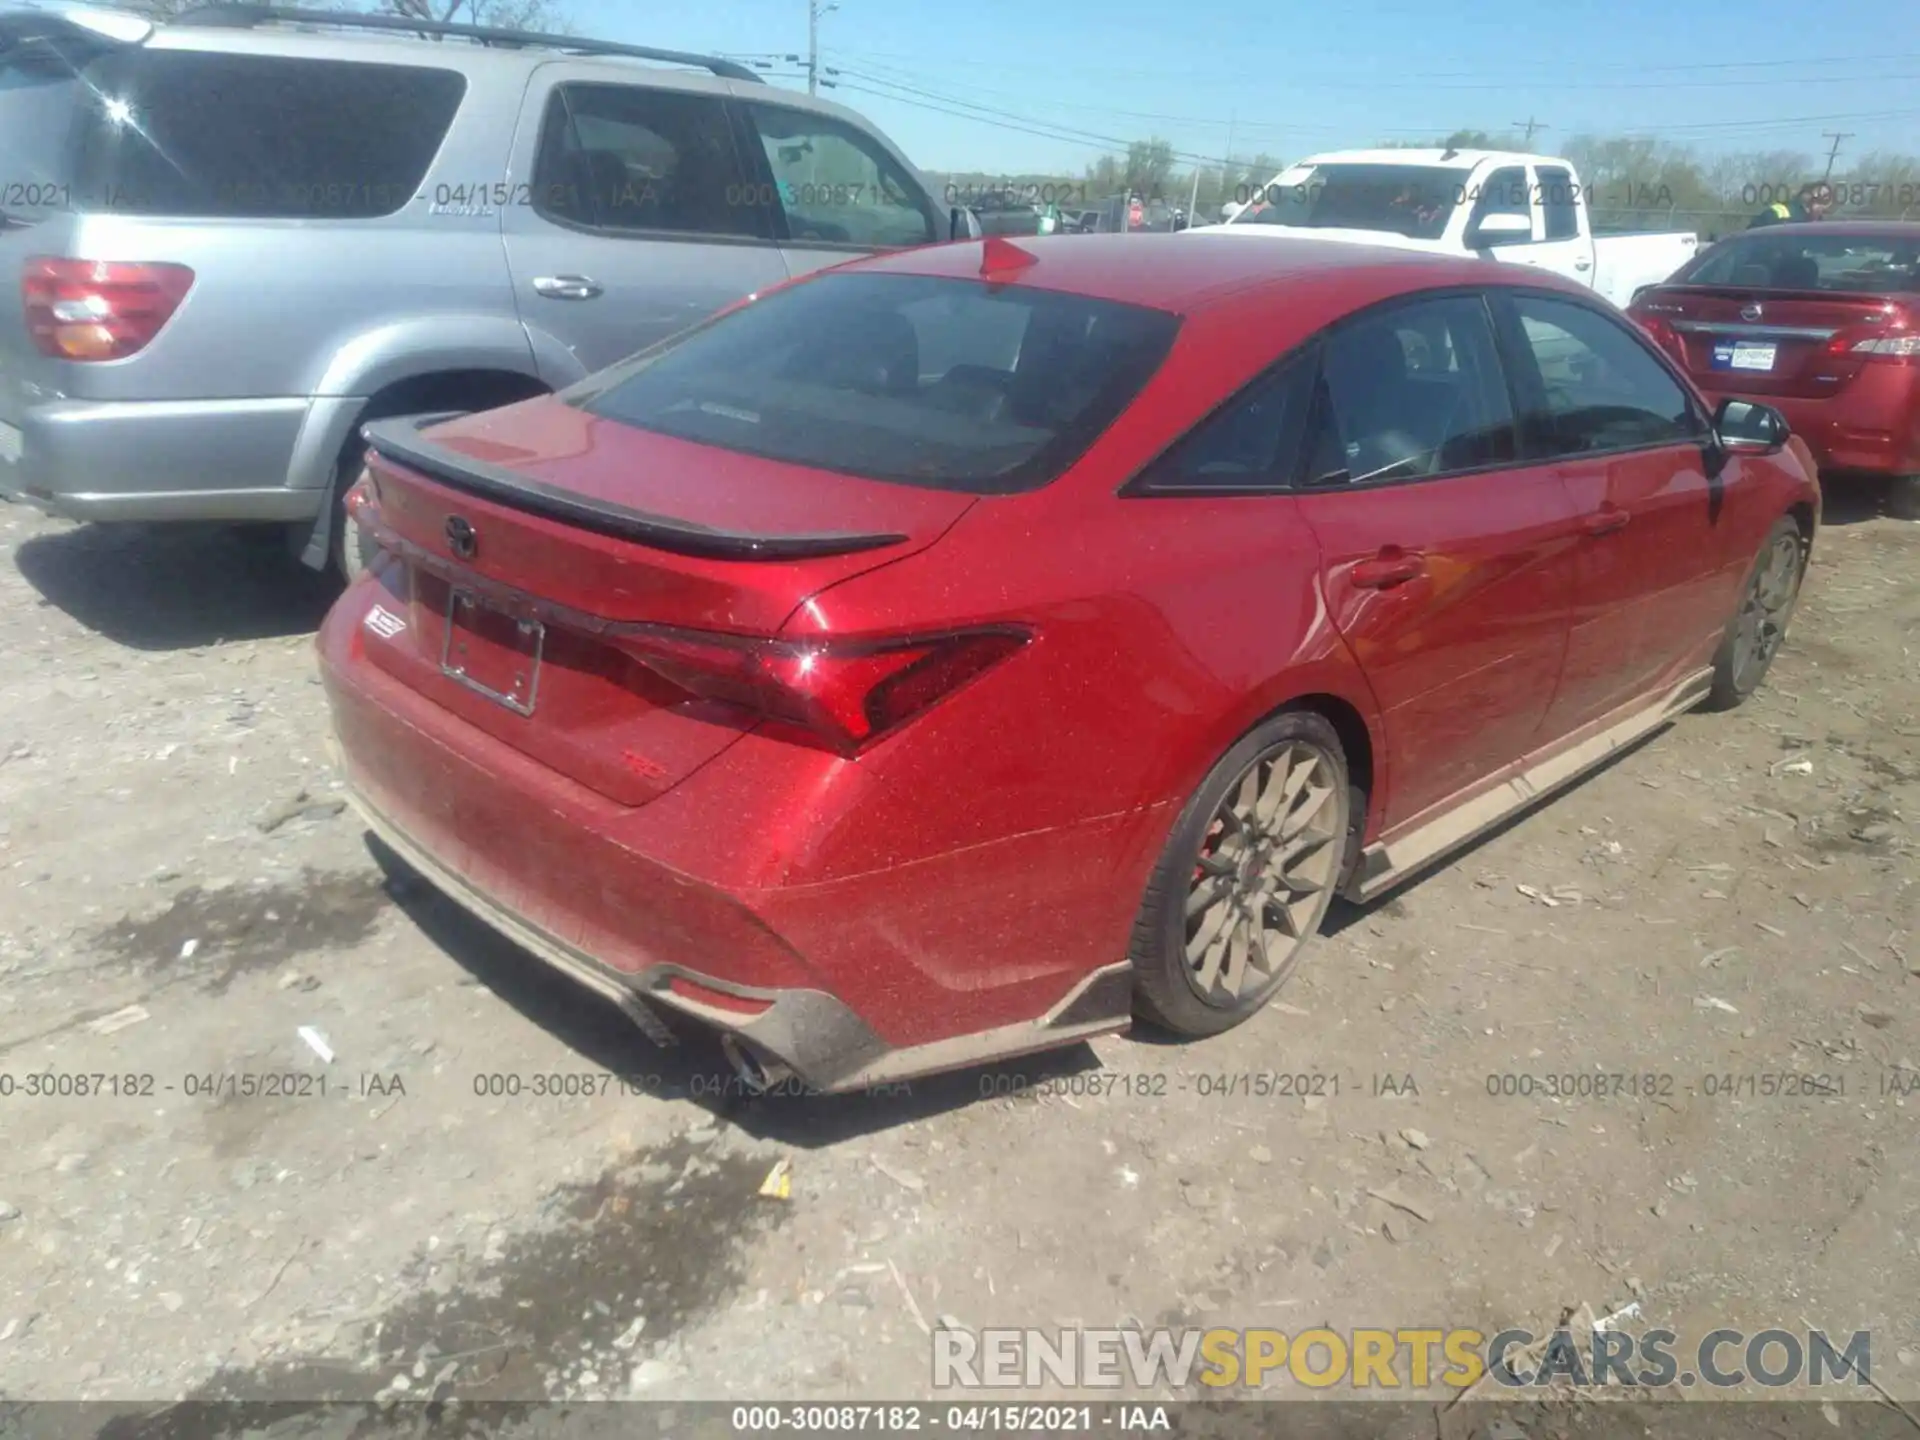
[999, 254]
[1450, 153]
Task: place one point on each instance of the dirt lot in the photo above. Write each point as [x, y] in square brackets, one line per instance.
[180, 894]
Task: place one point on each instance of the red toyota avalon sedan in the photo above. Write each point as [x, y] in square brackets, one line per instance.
[1821, 321]
[961, 652]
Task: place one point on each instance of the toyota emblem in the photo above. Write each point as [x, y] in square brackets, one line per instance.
[1749, 312]
[461, 537]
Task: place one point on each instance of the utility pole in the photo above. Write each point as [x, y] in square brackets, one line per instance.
[1834, 153]
[814, 11]
[1531, 125]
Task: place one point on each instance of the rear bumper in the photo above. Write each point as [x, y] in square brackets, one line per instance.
[218, 460]
[847, 982]
[810, 1033]
[1872, 427]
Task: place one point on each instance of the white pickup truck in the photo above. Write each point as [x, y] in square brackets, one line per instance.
[1497, 204]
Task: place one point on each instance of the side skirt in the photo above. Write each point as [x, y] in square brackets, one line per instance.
[1388, 863]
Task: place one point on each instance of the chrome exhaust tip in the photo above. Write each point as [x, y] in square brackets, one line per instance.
[757, 1072]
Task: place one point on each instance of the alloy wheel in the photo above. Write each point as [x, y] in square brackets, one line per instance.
[1762, 623]
[1265, 873]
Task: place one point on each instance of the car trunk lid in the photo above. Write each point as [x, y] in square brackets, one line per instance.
[538, 540]
[1767, 342]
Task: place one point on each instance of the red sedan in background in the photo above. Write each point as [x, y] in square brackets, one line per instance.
[1820, 321]
[957, 653]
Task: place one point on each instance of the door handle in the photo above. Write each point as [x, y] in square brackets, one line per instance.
[1392, 566]
[1583, 264]
[566, 287]
[1605, 520]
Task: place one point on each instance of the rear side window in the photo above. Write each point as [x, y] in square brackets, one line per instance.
[1411, 391]
[948, 384]
[626, 157]
[1558, 197]
[837, 186]
[195, 133]
[1599, 387]
[1250, 443]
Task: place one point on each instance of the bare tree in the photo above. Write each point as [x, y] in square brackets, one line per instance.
[504, 14]
[547, 15]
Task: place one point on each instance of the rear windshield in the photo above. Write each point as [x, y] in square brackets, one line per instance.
[197, 133]
[950, 384]
[1411, 200]
[1855, 264]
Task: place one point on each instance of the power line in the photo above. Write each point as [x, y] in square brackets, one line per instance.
[1531, 125]
[1413, 80]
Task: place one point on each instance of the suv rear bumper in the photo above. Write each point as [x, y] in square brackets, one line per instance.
[218, 460]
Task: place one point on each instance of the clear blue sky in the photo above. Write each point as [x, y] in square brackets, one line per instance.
[1719, 75]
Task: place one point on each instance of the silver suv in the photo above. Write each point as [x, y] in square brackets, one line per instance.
[228, 241]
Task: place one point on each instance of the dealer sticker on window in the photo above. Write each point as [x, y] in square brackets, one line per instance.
[1744, 354]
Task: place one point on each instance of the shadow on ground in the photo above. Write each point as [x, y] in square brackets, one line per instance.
[1850, 500]
[176, 587]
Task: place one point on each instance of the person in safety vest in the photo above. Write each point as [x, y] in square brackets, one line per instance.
[1812, 203]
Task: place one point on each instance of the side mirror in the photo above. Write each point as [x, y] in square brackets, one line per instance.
[1746, 427]
[963, 224]
[1503, 228]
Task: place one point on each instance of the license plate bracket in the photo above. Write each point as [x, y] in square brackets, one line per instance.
[1757, 355]
[492, 653]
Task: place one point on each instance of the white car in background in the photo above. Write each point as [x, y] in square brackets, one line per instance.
[1497, 204]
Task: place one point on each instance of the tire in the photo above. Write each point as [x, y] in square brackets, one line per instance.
[1300, 838]
[1759, 622]
[352, 551]
[1903, 497]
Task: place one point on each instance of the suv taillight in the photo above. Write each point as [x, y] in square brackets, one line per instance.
[98, 309]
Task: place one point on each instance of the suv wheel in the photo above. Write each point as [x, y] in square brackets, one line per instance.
[352, 550]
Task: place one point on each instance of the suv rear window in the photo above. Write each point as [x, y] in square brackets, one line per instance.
[201, 133]
[1835, 260]
[948, 384]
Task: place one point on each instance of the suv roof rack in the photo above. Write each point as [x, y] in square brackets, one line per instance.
[246, 16]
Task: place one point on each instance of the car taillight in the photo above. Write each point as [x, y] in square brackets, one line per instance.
[98, 309]
[1661, 333]
[844, 693]
[1901, 344]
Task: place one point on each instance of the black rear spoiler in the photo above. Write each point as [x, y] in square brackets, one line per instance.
[400, 439]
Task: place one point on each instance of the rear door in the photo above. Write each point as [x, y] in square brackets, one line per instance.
[1599, 407]
[839, 191]
[639, 219]
[1564, 247]
[1447, 563]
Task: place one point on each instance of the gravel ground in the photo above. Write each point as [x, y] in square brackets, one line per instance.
[183, 899]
